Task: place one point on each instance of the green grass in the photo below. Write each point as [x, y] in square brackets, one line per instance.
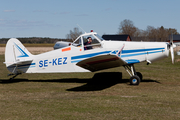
[100, 95]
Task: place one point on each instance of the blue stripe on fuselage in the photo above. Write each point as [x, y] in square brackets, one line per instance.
[124, 53]
[130, 55]
[140, 50]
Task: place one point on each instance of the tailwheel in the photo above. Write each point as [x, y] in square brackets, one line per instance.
[13, 76]
[134, 80]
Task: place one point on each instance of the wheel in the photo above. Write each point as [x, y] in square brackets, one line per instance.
[134, 80]
[11, 79]
[139, 75]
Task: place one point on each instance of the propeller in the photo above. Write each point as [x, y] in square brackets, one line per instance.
[171, 47]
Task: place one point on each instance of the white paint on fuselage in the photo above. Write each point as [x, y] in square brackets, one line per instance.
[57, 61]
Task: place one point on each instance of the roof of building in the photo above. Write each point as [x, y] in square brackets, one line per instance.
[175, 37]
[116, 37]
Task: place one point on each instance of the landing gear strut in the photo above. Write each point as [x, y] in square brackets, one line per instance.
[15, 72]
[136, 77]
[14, 75]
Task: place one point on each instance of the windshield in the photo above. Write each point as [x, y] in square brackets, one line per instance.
[99, 37]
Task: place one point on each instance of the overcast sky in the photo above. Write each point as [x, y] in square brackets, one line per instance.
[55, 18]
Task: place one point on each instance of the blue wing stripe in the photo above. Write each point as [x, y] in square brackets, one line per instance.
[132, 61]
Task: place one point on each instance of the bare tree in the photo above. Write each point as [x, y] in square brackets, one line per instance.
[74, 34]
[127, 27]
[150, 34]
[160, 33]
[172, 31]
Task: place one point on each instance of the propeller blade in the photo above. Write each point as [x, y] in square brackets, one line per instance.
[172, 51]
[172, 54]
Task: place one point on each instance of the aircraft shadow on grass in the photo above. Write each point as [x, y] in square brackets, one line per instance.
[98, 82]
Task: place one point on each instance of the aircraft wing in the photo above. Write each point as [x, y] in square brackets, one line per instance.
[101, 62]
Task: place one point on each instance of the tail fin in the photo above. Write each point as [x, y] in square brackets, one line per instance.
[16, 54]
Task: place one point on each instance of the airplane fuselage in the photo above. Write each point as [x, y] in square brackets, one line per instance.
[65, 59]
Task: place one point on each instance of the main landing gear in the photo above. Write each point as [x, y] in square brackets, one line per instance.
[136, 77]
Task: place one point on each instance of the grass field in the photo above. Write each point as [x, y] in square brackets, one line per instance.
[103, 95]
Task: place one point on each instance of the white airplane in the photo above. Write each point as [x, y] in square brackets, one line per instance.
[83, 56]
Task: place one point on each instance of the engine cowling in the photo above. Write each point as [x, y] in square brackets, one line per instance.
[61, 44]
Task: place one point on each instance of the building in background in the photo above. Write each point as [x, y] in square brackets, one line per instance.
[117, 37]
[176, 39]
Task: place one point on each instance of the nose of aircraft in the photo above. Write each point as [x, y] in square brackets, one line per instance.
[170, 47]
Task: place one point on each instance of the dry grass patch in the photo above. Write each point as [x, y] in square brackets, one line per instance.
[33, 50]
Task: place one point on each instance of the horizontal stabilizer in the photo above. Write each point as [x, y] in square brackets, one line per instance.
[18, 62]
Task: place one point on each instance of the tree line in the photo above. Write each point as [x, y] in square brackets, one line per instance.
[34, 40]
[150, 34]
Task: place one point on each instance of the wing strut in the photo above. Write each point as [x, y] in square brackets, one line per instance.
[120, 50]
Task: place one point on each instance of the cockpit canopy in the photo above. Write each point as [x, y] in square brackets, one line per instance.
[84, 38]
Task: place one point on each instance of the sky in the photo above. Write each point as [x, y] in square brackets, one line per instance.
[55, 18]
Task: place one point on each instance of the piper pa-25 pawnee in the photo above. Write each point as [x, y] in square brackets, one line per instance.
[80, 57]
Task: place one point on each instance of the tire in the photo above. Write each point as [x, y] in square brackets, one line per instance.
[134, 80]
[11, 79]
[139, 75]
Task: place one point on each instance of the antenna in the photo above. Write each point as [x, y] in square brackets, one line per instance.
[81, 28]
